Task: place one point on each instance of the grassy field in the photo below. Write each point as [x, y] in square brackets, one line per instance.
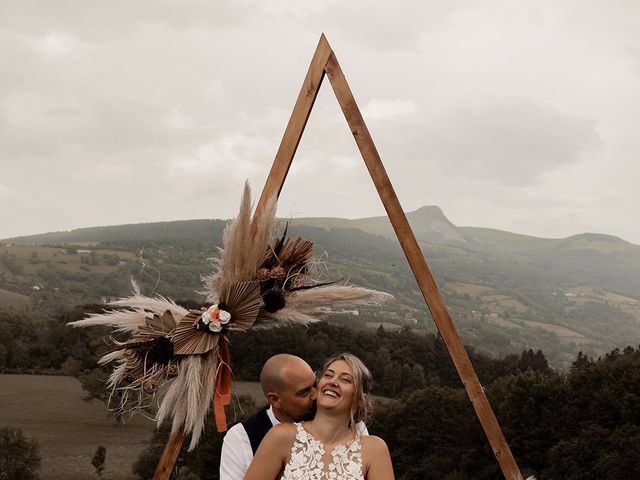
[563, 333]
[34, 258]
[500, 303]
[12, 299]
[69, 429]
[473, 290]
[584, 294]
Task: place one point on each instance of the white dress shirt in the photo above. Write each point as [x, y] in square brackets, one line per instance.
[237, 455]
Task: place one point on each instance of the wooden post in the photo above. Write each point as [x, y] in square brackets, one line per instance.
[428, 287]
[297, 123]
[169, 456]
[421, 271]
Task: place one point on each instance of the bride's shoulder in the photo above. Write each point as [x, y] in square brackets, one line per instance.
[373, 444]
[283, 431]
[376, 460]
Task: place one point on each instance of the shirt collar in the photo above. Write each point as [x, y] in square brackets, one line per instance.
[272, 417]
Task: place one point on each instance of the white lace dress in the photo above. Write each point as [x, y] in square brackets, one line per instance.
[306, 459]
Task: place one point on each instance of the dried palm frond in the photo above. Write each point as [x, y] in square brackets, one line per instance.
[188, 340]
[243, 302]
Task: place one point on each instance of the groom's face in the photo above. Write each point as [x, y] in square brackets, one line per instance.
[298, 397]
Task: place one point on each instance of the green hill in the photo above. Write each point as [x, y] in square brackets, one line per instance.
[506, 291]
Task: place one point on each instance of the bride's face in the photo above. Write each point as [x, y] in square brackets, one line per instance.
[335, 387]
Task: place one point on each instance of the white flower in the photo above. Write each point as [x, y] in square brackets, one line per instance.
[215, 327]
[224, 317]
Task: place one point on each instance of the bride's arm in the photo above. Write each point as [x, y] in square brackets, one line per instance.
[376, 458]
[271, 456]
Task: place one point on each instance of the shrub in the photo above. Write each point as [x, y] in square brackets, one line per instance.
[19, 457]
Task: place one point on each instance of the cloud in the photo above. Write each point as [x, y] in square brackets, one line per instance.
[100, 20]
[511, 140]
[382, 26]
[387, 108]
[57, 44]
[230, 159]
[492, 110]
[7, 194]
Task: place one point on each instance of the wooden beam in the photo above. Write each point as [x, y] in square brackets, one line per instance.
[297, 123]
[421, 271]
[169, 456]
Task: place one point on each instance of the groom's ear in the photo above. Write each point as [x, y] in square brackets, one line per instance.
[273, 399]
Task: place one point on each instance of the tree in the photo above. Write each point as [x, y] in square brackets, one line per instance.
[581, 361]
[3, 356]
[19, 457]
[99, 459]
[433, 433]
[417, 377]
[71, 367]
[536, 361]
[392, 379]
[405, 378]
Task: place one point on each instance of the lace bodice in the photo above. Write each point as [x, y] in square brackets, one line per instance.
[306, 459]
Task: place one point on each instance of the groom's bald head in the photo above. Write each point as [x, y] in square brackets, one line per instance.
[288, 384]
[280, 369]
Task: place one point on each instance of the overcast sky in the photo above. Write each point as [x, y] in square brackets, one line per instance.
[517, 115]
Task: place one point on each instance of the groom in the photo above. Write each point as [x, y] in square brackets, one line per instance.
[289, 385]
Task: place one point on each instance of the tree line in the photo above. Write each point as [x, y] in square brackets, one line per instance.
[583, 423]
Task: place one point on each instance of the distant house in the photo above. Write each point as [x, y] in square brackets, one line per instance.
[329, 310]
[36, 287]
[83, 251]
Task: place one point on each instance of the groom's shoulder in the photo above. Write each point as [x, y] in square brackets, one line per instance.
[235, 433]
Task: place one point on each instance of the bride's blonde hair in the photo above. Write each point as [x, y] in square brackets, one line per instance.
[361, 407]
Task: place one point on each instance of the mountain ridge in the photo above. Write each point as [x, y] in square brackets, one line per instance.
[429, 222]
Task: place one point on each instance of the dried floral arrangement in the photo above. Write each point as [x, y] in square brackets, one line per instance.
[260, 281]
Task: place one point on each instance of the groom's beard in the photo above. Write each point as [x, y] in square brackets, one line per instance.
[310, 415]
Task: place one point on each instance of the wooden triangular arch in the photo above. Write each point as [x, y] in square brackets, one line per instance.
[325, 62]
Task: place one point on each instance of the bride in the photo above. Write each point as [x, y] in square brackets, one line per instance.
[329, 446]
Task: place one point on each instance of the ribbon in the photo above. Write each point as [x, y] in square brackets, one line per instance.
[222, 395]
